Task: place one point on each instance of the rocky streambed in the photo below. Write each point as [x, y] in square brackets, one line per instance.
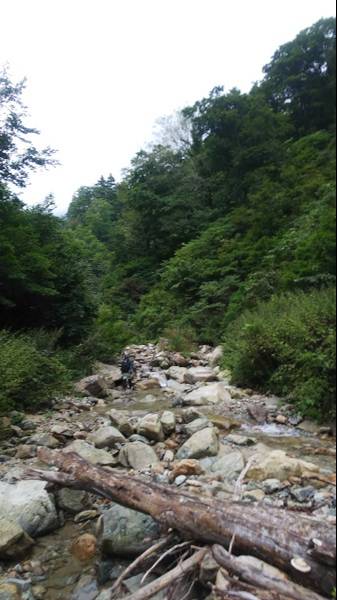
[184, 425]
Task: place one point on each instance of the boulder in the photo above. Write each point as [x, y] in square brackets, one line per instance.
[46, 440]
[24, 452]
[119, 420]
[127, 532]
[240, 440]
[177, 373]
[215, 393]
[278, 465]
[29, 504]
[139, 456]
[309, 427]
[91, 454]
[111, 374]
[200, 445]
[200, 375]
[179, 360]
[169, 422]
[14, 541]
[197, 425]
[106, 437]
[229, 466]
[95, 385]
[258, 413]
[151, 428]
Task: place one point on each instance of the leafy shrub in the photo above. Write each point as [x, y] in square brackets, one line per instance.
[31, 373]
[287, 346]
[181, 339]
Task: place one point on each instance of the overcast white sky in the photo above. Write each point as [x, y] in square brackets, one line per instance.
[101, 72]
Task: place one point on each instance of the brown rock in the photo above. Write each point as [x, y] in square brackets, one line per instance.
[85, 547]
[281, 419]
[187, 468]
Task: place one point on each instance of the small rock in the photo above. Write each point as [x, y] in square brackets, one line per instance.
[91, 454]
[186, 468]
[254, 495]
[180, 480]
[281, 419]
[14, 541]
[240, 440]
[25, 452]
[309, 427]
[272, 486]
[86, 515]
[46, 440]
[197, 425]
[127, 532]
[258, 413]
[303, 495]
[229, 466]
[147, 384]
[118, 420]
[85, 547]
[72, 501]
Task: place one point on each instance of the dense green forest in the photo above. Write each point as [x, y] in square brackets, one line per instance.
[222, 233]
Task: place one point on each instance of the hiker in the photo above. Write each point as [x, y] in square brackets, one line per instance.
[128, 372]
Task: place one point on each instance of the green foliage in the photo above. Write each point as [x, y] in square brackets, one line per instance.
[18, 156]
[181, 339]
[31, 372]
[288, 346]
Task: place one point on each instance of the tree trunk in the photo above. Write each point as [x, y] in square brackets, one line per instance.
[273, 535]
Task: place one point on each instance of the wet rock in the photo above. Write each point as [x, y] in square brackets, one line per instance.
[303, 495]
[151, 428]
[180, 480]
[200, 445]
[215, 393]
[197, 425]
[137, 455]
[279, 465]
[240, 440]
[95, 385]
[229, 466]
[72, 501]
[309, 427]
[295, 420]
[200, 375]
[127, 532]
[15, 589]
[91, 454]
[86, 589]
[106, 437]
[85, 547]
[29, 504]
[169, 422]
[14, 541]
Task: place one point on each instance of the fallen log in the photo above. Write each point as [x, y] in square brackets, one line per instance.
[273, 535]
[261, 579]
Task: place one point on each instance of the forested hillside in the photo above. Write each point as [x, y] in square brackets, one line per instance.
[223, 233]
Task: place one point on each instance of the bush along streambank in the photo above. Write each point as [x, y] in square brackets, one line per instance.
[288, 346]
[31, 372]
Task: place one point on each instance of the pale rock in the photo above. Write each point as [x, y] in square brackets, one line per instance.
[229, 466]
[240, 440]
[278, 465]
[197, 425]
[169, 422]
[29, 504]
[46, 440]
[138, 456]
[72, 501]
[270, 572]
[200, 375]
[216, 356]
[119, 420]
[202, 444]
[14, 541]
[215, 393]
[106, 437]
[26, 451]
[281, 419]
[112, 375]
[150, 427]
[147, 384]
[177, 373]
[91, 454]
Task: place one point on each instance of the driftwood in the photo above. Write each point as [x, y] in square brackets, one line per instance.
[274, 536]
[260, 579]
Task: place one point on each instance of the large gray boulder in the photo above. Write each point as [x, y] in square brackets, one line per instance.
[91, 454]
[127, 532]
[229, 466]
[215, 393]
[95, 385]
[119, 420]
[197, 425]
[106, 437]
[29, 504]
[200, 375]
[138, 456]
[202, 444]
[14, 541]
